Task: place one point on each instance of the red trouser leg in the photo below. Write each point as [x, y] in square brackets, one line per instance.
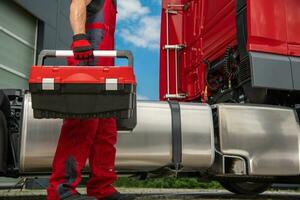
[102, 160]
[75, 142]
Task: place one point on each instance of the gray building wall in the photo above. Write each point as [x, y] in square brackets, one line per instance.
[54, 27]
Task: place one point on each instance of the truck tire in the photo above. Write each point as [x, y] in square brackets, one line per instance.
[3, 142]
[245, 188]
[4, 117]
[4, 104]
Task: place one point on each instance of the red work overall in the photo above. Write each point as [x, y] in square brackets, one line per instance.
[92, 139]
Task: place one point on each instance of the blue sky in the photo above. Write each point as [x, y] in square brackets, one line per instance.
[138, 30]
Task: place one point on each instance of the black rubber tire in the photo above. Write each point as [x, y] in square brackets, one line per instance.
[3, 142]
[245, 188]
[4, 117]
[4, 104]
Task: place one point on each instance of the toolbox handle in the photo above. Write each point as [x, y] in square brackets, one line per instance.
[68, 53]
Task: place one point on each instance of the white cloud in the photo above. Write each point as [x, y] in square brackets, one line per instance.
[136, 24]
[145, 34]
[131, 10]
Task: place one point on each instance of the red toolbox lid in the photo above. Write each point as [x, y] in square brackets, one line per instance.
[82, 74]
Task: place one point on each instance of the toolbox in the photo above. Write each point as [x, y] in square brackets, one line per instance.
[84, 91]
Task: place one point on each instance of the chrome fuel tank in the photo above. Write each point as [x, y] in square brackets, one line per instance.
[148, 147]
[267, 137]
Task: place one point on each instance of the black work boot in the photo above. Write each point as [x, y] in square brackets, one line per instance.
[119, 196]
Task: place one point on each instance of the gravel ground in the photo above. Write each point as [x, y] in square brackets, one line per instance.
[164, 194]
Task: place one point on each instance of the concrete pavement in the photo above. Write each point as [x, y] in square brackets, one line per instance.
[165, 194]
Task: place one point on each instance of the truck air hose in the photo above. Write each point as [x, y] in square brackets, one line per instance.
[229, 61]
[209, 81]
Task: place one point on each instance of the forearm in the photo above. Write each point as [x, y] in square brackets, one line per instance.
[78, 15]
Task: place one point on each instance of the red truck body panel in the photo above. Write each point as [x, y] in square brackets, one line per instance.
[293, 27]
[205, 28]
[219, 28]
[273, 26]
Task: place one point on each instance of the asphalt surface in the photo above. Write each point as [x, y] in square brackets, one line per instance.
[153, 194]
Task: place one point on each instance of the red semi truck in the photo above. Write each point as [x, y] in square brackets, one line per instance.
[218, 57]
[230, 51]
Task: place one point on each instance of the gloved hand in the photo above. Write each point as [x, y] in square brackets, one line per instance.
[82, 48]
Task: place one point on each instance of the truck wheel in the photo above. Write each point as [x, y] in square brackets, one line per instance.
[4, 116]
[3, 142]
[245, 188]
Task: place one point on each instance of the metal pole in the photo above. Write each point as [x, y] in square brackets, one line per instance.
[168, 52]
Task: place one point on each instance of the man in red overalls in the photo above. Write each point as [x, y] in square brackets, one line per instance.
[93, 23]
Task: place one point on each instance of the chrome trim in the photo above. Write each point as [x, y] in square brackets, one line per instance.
[175, 96]
[177, 5]
[178, 47]
[168, 51]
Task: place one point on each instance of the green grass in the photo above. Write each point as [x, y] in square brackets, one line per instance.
[169, 182]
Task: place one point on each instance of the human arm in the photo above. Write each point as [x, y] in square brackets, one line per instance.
[81, 46]
[78, 15]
